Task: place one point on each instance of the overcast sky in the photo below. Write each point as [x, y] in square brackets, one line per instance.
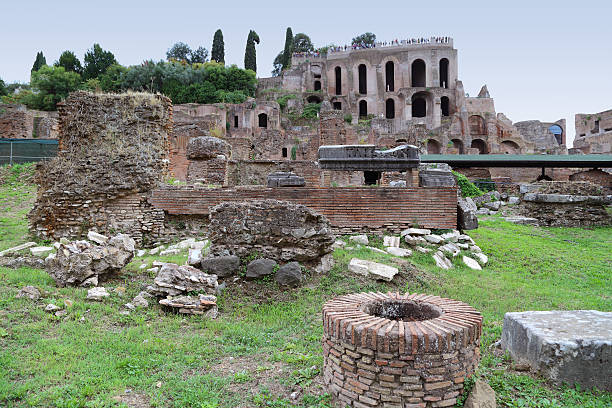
[541, 60]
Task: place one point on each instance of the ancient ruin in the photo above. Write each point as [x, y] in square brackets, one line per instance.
[406, 350]
[594, 132]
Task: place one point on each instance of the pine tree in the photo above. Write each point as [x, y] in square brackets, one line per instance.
[39, 62]
[218, 47]
[288, 51]
[250, 56]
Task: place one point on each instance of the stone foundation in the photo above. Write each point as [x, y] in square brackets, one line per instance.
[392, 350]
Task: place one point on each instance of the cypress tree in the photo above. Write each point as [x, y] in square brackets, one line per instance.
[39, 62]
[288, 51]
[250, 56]
[218, 47]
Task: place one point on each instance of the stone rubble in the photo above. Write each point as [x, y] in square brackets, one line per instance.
[81, 263]
[222, 266]
[289, 275]
[360, 239]
[173, 280]
[391, 241]
[197, 305]
[17, 248]
[471, 263]
[97, 294]
[442, 261]
[29, 292]
[367, 268]
[41, 251]
[400, 252]
[481, 396]
[260, 267]
[97, 238]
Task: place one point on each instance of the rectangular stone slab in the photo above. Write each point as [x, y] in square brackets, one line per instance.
[566, 346]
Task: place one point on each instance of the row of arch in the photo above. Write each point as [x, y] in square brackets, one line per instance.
[507, 146]
[418, 73]
[419, 106]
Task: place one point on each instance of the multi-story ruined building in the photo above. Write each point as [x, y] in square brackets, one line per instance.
[594, 132]
[412, 91]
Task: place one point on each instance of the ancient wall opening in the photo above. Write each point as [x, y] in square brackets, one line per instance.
[418, 73]
[363, 79]
[338, 74]
[444, 73]
[445, 106]
[337, 105]
[390, 76]
[481, 145]
[419, 106]
[317, 85]
[510, 147]
[263, 120]
[363, 109]
[390, 108]
[477, 125]
[433, 147]
[458, 144]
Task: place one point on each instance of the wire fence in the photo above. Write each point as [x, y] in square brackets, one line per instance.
[13, 151]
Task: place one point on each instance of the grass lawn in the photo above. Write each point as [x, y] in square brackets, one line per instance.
[266, 343]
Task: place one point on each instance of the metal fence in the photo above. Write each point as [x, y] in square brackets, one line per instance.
[14, 151]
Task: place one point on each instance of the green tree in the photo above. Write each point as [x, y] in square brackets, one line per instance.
[365, 38]
[278, 64]
[110, 81]
[302, 43]
[288, 50]
[3, 90]
[50, 86]
[97, 61]
[69, 61]
[218, 48]
[250, 55]
[183, 53]
[39, 62]
[199, 55]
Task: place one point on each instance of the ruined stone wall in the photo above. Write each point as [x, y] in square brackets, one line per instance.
[349, 209]
[113, 150]
[594, 132]
[18, 122]
[595, 176]
[540, 134]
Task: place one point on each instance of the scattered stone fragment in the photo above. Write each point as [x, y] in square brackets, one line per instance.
[401, 252]
[415, 231]
[442, 261]
[475, 248]
[571, 346]
[41, 251]
[450, 249]
[141, 252]
[492, 205]
[97, 294]
[465, 238]
[222, 266]
[327, 262]
[140, 301]
[61, 313]
[378, 270]
[518, 219]
[462, 245]
[482, 258]
[82, 263]
[119, 290]
[173, 280]
[466, 214]
[289, 274]
[338, 244]
[51, 308]
[380, 251]
[434, 239]
[30, 292]
[452, 236]
[172, 251]
[260, 267]
[186, 243]
[156, 250]
[153, 270]
[360, 239]
[471, 263]
[194, 257]
[129, 306]
[97, 238]
[423, 250]
[414, 240]
[197, 305]
[513, 200]
[481, 396]
[391, 241]
[143, 266]
[68, 302]
[18, 248]
[21, 261]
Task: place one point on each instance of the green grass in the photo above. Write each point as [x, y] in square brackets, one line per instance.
[267, 341]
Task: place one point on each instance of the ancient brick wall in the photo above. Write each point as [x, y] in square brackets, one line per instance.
[16, 122]
[595, 176]
[348, 209]
[113, 150]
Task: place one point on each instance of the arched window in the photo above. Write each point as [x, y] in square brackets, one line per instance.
[390, 108]
[418, 73]
[481, 145]
[444, 73]
[338, 72]
[317, 85]
[363, 80]
[363, 109]
[458, 144]
[313, 99]
[558, 132]
[445, 106]
[477, 125]
[433, 147]
[263, 120]
[389, 76]
[510, 147]
[419, 106]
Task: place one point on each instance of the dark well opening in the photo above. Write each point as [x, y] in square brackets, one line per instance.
[407, 311]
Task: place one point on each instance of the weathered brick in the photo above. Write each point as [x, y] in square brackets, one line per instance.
[437, 385]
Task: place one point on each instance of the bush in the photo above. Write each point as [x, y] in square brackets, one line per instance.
[311, 110]
[468, 189]
[50, 86]
[348, 118]
[282, 101]
[485, 185]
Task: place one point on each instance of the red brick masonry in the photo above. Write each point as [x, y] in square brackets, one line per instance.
[418, 358]
[347, 208]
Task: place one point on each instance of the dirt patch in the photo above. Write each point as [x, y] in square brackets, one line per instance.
[133, 400]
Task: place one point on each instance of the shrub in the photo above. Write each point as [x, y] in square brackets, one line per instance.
[348, 118]
[282, 101]
[485, 185]
[311, 110]
[50, 86]
[468, 189]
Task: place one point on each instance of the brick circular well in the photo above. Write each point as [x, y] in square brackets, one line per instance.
[392, 350]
